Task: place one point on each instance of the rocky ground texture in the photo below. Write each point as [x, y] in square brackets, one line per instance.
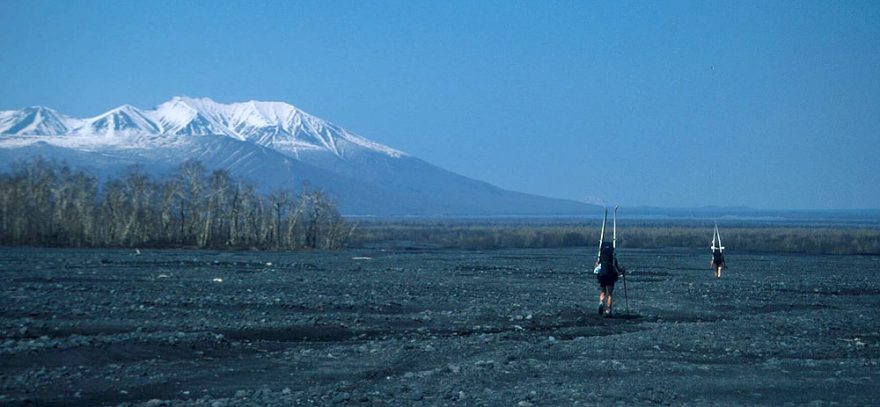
[366, 327]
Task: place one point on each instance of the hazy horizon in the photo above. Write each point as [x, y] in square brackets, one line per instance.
[676, 105]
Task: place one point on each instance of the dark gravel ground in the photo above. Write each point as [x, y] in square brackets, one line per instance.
[99, 327]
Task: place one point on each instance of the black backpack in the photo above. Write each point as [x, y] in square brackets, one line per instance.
[606, 258]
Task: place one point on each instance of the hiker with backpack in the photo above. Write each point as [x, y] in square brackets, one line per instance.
[717, 261]
[607, 272]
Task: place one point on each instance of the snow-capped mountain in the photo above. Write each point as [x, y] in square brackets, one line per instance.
[34, 120]
[123, 119]
[272, 143]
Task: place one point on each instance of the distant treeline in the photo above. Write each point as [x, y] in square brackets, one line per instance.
[462, 235]
[43, 203]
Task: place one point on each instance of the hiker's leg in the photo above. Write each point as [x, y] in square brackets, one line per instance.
[609, 296]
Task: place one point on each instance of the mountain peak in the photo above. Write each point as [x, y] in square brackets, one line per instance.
[40, 109]
[193, 101]
[126, 108]
[183, 116]
[33, 120]
[184, 98]
[125, 118]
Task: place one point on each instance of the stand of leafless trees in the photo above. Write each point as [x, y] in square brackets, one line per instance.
[42, 203]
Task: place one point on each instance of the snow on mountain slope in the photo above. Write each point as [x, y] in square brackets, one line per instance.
[276, 125]
[125, 119]
[34, 120]
[178, 116]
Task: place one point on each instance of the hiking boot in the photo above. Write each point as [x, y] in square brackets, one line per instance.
[601, 309]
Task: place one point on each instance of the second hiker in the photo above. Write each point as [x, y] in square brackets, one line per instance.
[717, 261]
[607, 272]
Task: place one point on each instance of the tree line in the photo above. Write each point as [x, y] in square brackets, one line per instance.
[482, 236]
[48, 204]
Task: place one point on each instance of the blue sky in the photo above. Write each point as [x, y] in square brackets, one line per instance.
[764, 104]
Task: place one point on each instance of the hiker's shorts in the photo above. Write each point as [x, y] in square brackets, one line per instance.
[607, 279]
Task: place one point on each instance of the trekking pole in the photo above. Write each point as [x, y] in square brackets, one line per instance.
[625, 295]
[614, 242]
[602, 235]
[614, 233]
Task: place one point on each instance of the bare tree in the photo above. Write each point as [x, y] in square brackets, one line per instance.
[170, 199]
[191, 175]
[41, 203]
